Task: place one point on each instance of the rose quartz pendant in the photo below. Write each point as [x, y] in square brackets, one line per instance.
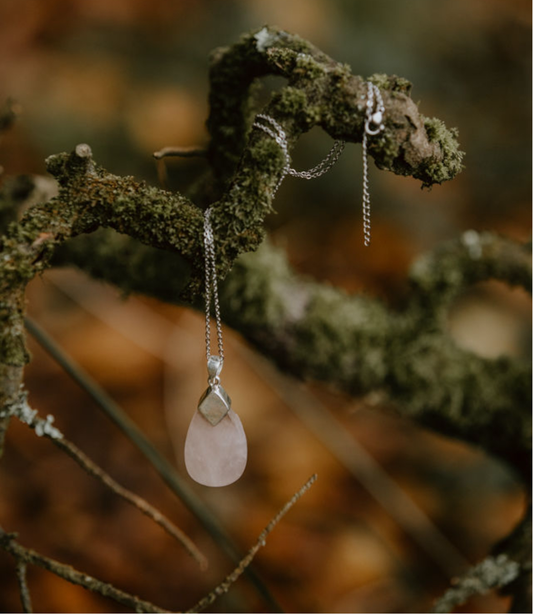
[215, 447]
[216, 455]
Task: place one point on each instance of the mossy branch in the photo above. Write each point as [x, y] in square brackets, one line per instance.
[356, 343]
[320, 92]
[492, 572]
[507, 569]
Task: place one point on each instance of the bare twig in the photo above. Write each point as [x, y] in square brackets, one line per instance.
[27, 556]
[25, 597]
[92, 469]
[261, 541]
[45, 428]
[181, 152]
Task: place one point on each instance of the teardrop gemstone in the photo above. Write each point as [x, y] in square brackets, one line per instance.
[216, 455]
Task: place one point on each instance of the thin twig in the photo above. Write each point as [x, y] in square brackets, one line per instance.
[28, 556]
[261, 541]
[141, 504]
[25, 597]
[182, 152]
[167, 472]
[45, 428]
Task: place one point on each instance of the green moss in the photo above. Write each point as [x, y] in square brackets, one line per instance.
[392, 83]
[127, 264]
[341, 338]
[388, 150]
[291, 101]
[256, 281]
[13, 351]
[12, 348]
[450, 164]
[308, 68]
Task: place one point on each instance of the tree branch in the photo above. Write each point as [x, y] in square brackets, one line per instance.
[492, 572]
[359, 345]
[26, 556]
[320, 92]
[311, 330]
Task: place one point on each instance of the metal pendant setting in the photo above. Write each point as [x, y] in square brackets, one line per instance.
[214, 404]
[216, 450]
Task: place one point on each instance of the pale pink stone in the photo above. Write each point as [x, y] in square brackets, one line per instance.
[216, 455]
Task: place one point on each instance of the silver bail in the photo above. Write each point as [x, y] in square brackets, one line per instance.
[214, 367]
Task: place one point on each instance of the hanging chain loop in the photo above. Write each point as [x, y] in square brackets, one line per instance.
[276, 131]
[373, 125]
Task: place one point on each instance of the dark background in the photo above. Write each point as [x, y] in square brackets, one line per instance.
[129, 77]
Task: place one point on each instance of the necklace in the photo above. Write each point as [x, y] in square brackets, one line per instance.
[216, 450]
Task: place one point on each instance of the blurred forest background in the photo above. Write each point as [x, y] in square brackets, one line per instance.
[129, 77]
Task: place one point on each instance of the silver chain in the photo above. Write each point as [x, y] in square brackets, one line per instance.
[278, 134]
[211, 288]
[373, 125]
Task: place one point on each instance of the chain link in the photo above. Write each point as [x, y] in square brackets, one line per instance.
[211, 288]
[278, 134]
[324, 166]
[373, 125]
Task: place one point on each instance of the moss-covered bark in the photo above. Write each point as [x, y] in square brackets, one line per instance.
[358, 344]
